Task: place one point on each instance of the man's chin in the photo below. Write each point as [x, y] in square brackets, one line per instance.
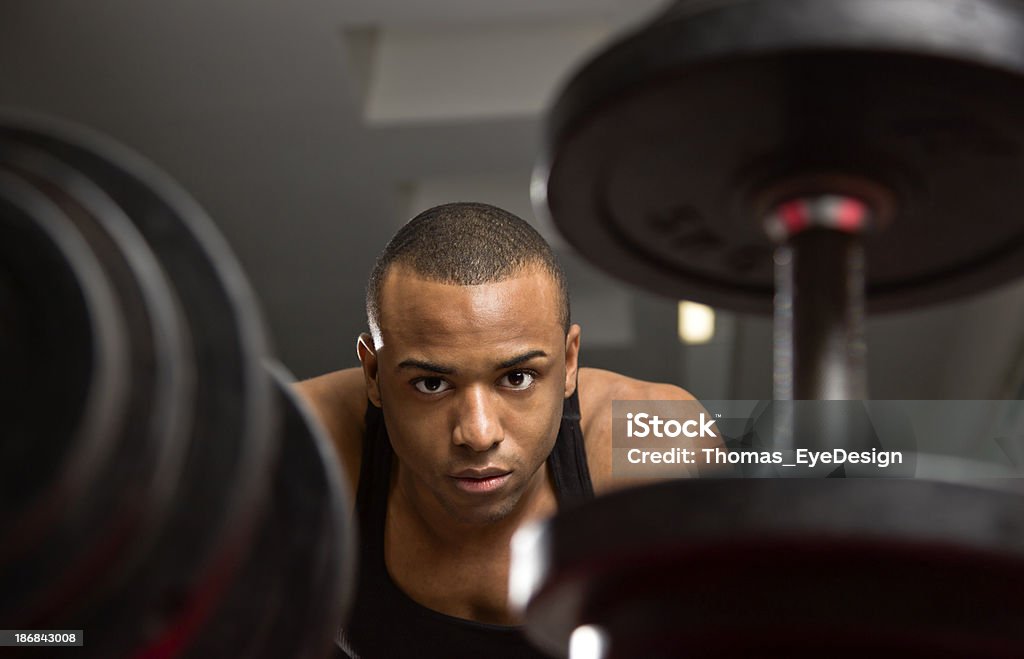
[476, 510]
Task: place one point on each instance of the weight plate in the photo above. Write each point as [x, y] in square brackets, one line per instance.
[666, 152]
[224, 477]
[726, 568]
[291, 597]
[66, 392]
[95, 548]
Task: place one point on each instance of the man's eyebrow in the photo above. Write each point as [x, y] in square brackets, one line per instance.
[519, 359]
[426, 366]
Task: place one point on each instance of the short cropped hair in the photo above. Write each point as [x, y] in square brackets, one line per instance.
[465, 244]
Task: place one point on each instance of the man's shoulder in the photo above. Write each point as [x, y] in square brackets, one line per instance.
[601, 387]
[597, 389]
[339, 401]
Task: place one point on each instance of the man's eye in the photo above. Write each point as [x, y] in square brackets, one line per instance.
[517, 380]
[431, 385]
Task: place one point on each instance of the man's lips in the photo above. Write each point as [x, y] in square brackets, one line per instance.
[481, 481]
[486, 472]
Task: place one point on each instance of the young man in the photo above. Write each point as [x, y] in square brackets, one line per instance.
[478, 421]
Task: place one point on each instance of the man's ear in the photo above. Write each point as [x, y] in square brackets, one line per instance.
[368, 358]
[572, 354]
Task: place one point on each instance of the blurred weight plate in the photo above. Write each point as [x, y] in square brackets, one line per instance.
[232, 439]
[794, 568]
[63, 334]
[667, 150]
[92, 548]
[297, 581]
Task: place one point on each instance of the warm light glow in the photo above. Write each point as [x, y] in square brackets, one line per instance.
[696, 322]
[588, 642]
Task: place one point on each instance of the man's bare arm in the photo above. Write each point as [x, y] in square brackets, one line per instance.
[598, 388]
[339, 401]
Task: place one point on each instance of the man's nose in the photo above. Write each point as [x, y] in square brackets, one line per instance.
[477, 425]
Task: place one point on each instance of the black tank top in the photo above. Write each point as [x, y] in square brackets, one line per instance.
[385, 622]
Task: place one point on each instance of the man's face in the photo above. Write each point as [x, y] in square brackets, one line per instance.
[471, 380]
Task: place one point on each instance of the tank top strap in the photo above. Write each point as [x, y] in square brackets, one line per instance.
[374, 480]
[567, 463]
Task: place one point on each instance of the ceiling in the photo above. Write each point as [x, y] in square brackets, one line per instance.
[311, 129]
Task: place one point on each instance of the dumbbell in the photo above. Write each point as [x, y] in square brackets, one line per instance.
[165, 491]
[818, 159]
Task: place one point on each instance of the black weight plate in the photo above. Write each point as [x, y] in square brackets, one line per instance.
[225, 473]
[666, 150]
[96, 547]
[730, 568]
[66, 391]
[292, 596]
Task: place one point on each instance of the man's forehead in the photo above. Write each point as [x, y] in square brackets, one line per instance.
[402, 284]
[403, 274]
[411, 302]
